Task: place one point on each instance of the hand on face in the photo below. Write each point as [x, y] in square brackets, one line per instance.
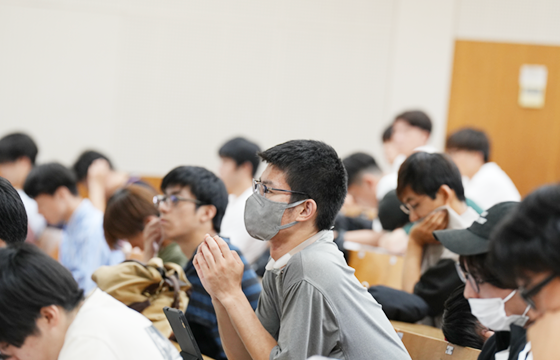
[98, 172]
[219, 268]
[153, 236]
[422, 233]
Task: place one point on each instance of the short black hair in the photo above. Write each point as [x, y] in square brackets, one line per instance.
[241, 150]
[204, 185]
[480, 269]
[16, 145]
[85, 160]
[13, 218]
[314, 168]
[47, 178]
[459, 325]
[387, 133]
[528, 240]
[29, 281]
[357, 164]
[416, 118]
[469, 139]
[425, 173]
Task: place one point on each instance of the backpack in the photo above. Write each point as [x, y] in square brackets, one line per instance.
[146, 288]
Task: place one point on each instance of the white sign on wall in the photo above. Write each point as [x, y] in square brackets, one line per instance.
[532, 86]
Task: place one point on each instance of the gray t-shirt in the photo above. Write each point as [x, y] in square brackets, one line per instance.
[316, 306]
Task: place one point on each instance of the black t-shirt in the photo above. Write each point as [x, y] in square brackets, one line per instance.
[516, 339]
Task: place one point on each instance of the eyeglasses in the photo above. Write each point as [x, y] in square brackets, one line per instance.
[261, 189]
[465, 277]
[170, 200]
[528, 294]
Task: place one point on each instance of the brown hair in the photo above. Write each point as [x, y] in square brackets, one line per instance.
[126, 211]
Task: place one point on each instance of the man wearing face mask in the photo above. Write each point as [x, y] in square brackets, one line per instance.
[497, 305]
[311, 303]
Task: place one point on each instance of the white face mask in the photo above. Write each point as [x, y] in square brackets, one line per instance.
[492, 313]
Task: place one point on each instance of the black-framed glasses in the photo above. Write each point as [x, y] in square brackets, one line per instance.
[170, 200]
[465, 277]
[528, 294]
[262, 189]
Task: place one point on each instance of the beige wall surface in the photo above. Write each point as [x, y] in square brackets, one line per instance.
[156, 84]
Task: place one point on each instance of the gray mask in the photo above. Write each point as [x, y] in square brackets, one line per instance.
[263, 217]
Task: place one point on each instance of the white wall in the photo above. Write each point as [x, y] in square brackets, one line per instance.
[155, 84]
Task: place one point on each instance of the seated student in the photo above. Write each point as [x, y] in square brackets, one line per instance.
[17, 157]
[193, 205]
[485, 182]
[13, 227]
[525, 249]
[311, 304]
[363, 176]
[239, 164]
[56, 322]
[390, 149]
[410, 133]
[430, 187]
[497, 304]
[96, 171]
[128, 211]
[460, 326]
[83, 248]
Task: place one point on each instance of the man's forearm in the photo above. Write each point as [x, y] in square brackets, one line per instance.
[258, 342]
[231, 342]
[412, 265]
[366, 237]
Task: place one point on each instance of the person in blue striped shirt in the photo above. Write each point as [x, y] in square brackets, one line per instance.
[83, 248]
[193, 205]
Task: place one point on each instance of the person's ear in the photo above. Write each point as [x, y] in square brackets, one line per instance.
[61, 193]
[207, 213]
[371, 181]
[446, 193]
[148, 218]
[25, 160]
[247, 168]
[306, 210]
[51, 314]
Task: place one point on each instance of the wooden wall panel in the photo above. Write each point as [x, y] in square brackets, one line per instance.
[484, 93]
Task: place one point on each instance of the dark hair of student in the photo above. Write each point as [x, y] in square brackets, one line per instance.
[387, 133]
[459, 325]
[241, 150]
[29, 281]
[204, 185]
[16, 145]
[471, 140]
[425, 173]
[85, 160]
[314, 168]
[126, 211]
[47, 178]
[13, 223]
[416, 118]
[477, 266]
[528, 240]
[357, 164]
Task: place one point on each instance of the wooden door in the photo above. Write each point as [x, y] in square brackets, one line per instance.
[484, 94]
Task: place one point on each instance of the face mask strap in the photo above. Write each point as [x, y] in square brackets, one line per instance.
[507, 298]
[526, 310]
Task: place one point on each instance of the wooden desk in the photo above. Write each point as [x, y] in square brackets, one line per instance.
[375, 266]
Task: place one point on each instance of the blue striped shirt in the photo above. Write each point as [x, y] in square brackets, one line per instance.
[83, 248]
[200, 311]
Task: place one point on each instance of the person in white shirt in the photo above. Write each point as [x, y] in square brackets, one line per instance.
[239, 164]
[56, 322]
[18, 152]
[410, 133]
[485, 182]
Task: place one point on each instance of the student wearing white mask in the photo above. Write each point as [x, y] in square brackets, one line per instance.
[496, 304]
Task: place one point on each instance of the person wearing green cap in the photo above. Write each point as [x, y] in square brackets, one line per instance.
[496, 304]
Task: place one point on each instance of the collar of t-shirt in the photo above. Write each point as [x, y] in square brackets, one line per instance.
[283, 261]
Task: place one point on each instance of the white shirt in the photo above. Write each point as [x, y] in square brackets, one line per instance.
[36, 221]
[104, 328]
[233, 227]
[489, 186]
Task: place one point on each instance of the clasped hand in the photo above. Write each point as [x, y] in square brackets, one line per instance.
[219, 268]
